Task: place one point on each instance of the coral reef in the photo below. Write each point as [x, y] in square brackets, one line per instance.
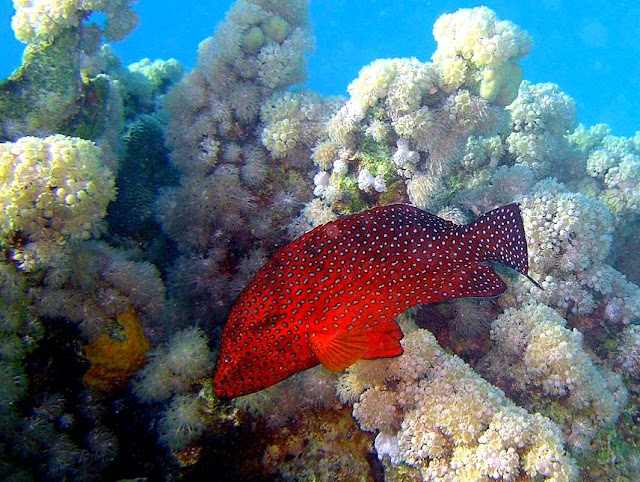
[325, 445]
[175, 375]
[144, 170]
[182, 423]
[541, 116]
[174, 368]
[542, 365]
[402, 133]
[95, 284]
[137, 203]
[480, 52]
[627, 354]
[243, 145]
[58, 89]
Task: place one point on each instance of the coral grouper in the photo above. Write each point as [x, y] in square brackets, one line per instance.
[331, 296]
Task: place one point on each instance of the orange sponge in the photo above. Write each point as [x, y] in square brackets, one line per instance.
[115, 358]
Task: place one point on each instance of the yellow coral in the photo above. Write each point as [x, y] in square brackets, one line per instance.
[114, 359]
[478, 51]
[52, 191]
[40, 20]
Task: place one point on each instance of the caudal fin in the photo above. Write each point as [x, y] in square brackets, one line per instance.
[499, 236]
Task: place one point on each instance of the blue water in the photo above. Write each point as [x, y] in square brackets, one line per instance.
[587, 47]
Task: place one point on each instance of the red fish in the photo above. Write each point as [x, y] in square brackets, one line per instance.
[331, 296]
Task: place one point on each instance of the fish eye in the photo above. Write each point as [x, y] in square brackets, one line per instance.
[227, 359]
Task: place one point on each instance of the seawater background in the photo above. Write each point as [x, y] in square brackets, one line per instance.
[590, 48]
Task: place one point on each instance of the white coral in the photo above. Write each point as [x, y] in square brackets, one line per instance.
[566, 232]
[533, 352]
[442, 418]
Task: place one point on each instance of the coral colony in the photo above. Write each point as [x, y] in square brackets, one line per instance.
[138, 202]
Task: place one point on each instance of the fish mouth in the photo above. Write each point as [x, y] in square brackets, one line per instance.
[226, 386]
[222, 396]
[221, 392]
[220, 385]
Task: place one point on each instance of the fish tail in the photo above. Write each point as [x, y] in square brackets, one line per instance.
[499, 236]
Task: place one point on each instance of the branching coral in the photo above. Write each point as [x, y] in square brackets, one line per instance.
[543, 365]
[434, 413]
[478, 51]
[53, 191]
[42, 19]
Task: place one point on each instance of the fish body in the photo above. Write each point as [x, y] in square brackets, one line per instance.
[331, 295]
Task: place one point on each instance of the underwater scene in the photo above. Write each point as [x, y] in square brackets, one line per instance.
[259, 264]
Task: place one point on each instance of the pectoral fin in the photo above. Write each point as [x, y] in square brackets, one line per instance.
[341, 349]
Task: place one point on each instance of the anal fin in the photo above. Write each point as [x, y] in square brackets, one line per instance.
[480, 281]
[384, 342]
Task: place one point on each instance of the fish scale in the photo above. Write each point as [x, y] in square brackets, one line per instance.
[332, 295]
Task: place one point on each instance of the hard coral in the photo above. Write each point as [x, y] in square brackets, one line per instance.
[116, 357]
[39, 20]
[52, 191]
[478, 51]
[544, 367]
[442, 418]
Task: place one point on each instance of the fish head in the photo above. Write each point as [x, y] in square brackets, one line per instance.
[237, 369]
[229, 379]
[256, 352]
